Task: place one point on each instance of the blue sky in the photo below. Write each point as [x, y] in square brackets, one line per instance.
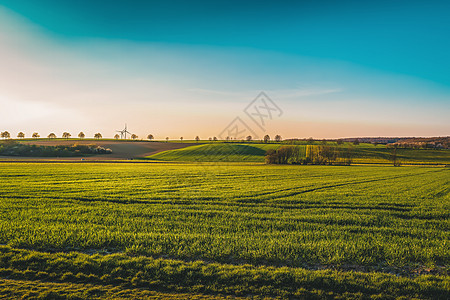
[336, 68]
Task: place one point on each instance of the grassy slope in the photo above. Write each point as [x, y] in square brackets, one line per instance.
[378, 219]
[226, 152]
[368, 153]
[254, 152]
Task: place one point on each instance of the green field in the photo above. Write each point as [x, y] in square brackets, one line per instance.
[220, 152]
[179, 230]
[255, 152]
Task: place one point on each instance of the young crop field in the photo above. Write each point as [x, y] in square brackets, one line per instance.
[184, 230]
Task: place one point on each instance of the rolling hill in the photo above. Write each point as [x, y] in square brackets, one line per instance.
[254, 152]
[120, 149]
[227, 152]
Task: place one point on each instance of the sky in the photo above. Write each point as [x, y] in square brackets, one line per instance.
[186, 68]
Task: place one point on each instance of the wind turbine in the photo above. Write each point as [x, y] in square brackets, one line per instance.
[123, 132]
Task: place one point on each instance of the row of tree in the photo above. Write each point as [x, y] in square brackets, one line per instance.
[420, 145]
[13, 148]
[81, 135]
[248, 138]
[310, 140]
[66, 135]
[311, 154]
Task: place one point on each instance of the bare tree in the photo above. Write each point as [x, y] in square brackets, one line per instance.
[248, 138]
[5, 135]
[81, 135]
[21, 135]
[278, 138]
[35, 135]
[116, 136]
[347, 155]
[98, 136]
[266, 138]
[66, 135]
[394, 157]
[197, 138]
[283, 155]
[150, 137]
[133, 136]
[52, 136]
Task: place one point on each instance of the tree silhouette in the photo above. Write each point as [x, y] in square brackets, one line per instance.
[21, 135]
[35, 135]
[66, 135]
[116, 136]
[181, 138]
[5, 135]
[150, 137]
[278, 138]
[214, 138]
[133, 136]
[248, 138]
[167, 139]
[394, 158]
[266, 138]
[52, 136]
[197, 138]
[81, 135]
[98, 136]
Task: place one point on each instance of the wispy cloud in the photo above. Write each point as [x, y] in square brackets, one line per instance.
[173, 90]
[283, 93]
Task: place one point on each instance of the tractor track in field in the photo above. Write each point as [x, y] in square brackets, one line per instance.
[408, 270]
[326, 187]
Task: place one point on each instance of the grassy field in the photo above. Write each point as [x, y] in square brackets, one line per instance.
[211, 230]
[255, 152]
[225, 152]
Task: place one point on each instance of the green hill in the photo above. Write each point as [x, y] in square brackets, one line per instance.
[368, 153]
[227, 152]
[254, 152]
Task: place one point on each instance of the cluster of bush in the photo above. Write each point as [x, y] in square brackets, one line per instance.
[311, 154]
[11, 148]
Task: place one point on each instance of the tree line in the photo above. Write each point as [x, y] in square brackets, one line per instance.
[13, 148]
[65, 135]
[150, 137]
[311, 154]
[52, 135]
